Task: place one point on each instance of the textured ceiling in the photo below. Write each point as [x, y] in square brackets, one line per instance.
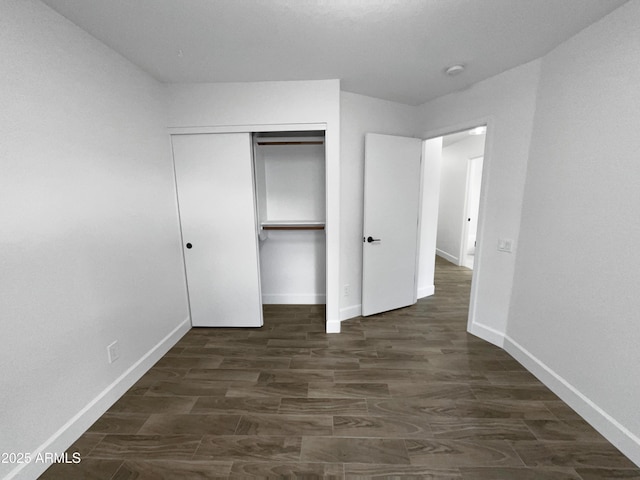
[391, 49]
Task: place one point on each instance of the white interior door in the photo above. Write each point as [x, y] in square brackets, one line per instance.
[217, 213]
[390, 233]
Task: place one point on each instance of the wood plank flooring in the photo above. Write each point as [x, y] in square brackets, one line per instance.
[404, 394]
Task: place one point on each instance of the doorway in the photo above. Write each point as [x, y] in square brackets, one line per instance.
[459, 197]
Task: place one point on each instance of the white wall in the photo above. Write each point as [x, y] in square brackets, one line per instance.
[506, 103]
[292, 267]
[453, 188]
[90, 240]
[253, 103]
[360, 115]
[251, 106]
[294, 181]
[574, 313]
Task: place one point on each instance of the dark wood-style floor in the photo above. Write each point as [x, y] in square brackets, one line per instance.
[405, 394]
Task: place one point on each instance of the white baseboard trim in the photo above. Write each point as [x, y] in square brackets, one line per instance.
[451, 258]
[609, 427]
[487, 333]
[426, 291]
[333, 326]
[293, 299]
[80, 422]
[350, 312]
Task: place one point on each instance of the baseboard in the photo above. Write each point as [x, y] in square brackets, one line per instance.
[487, 333]
[350, 312]
[450, 258]
[426, 291]
[333, 326]
[609, 427]
[293, 299]
[79, 423]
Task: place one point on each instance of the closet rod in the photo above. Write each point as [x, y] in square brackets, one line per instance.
[293, 227]
[311, 142]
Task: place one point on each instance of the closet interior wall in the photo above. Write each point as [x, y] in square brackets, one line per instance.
[290, 196]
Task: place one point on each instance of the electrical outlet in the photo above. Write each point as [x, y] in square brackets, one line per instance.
[505, 245]
[113, 351]
[346, 291]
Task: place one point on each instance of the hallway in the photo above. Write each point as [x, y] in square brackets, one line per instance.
[405, 393]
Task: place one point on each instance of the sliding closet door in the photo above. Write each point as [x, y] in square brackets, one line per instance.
[217, 212]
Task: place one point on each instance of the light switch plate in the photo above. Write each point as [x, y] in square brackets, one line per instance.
[505, 245]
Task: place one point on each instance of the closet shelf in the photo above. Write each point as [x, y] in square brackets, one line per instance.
[292, 225]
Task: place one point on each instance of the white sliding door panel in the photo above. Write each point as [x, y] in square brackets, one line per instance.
[217, 212]
[391, 207]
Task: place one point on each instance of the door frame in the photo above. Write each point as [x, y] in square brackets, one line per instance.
[332, 220]
[489, 121]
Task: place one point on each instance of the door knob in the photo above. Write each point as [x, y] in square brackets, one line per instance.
[189, 245]
[371, 239]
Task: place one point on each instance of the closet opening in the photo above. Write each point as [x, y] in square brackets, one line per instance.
[289, 175]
